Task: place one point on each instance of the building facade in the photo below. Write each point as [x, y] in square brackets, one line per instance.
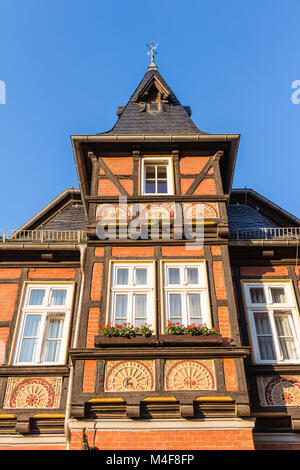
[154, 236]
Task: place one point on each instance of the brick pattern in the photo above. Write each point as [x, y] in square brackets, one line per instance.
[93, 324]
[10, 273]
[185, 184]
[219, 280]
[107, 188]
[167, 440]
[119, 165]
[181, 251]
[89, 376]
[132, 251]
[97, 281]
[215, 250]
[99, 252]
[192, 165]
[8, 294]
[230, 375]
[248, 271]
[207, 186]
[51, 273]
[224, 322]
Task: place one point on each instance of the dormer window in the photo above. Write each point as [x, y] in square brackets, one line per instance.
[156, 176]
[154, 106]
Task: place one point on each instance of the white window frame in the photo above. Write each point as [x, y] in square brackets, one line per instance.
[132, 289]
[270, 308]
[46, 311]
[184, 288]
[159, 160]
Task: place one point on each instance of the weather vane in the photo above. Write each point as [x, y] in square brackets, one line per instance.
[152, 52]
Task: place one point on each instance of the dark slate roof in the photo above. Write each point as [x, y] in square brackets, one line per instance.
[242, 217]
[71, 217]
[174, 120]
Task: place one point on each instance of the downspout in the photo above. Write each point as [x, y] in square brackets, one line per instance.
[82, 249]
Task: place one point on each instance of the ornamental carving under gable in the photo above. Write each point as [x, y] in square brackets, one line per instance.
[279, 390]
[129, 376]
[190, 375]
[33, 392]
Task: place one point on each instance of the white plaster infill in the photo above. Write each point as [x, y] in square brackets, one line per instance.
[220, 424]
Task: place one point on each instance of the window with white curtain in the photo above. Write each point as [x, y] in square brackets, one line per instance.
[186, 293]
[273, 321]
[132, 294]
[43, 325]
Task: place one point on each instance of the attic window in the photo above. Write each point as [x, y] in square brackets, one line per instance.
[156, 176]
[154, 106]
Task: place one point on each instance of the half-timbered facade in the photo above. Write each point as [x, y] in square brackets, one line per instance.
[155, 235]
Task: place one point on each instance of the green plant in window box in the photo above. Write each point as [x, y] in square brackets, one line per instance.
[126, 330]
[173, 328]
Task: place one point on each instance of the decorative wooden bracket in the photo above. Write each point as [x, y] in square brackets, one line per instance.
[23, 424]
[187, 411]
[133, 411]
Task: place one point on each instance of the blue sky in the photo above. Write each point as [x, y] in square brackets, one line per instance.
[68, 65]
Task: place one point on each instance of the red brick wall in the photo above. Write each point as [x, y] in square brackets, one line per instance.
[167, 440]
[180, 251]
[192, 165]
[230, 375]
[51, 273]
[263, 271]
[89, 376]
[132, 251]
[119, 165]
[93, 325]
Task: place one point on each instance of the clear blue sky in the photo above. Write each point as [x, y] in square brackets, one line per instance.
[68, 64]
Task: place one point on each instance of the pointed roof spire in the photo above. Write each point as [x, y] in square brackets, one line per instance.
[152, 52]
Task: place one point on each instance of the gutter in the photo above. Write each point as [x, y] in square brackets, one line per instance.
[38, 246]
[155, 138]
[75, 341]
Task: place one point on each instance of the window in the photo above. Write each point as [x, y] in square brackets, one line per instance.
[273, 322]
[43, 326]
[156, 176]
[132, 294]
[186, 294]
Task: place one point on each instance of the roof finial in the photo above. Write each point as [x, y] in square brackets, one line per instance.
[152, 52]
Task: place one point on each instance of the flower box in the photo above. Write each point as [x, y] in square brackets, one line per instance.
[124, 341]
[190, 340]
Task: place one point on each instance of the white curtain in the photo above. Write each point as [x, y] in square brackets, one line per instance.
[29, 341]
[58, 297]
[140, 309]
[141, 276]
[194, 307]
[174, 276]
[192, 276]
[36, 297]
[285, 336]
[264, 336]
[122, 277]
[53, 342]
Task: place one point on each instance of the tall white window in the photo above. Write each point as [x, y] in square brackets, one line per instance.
[132, 294]
[156, 176]
[186, 294]
[273, 321]
[44, 323]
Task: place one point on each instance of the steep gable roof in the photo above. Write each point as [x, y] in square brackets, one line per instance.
[172, 117]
